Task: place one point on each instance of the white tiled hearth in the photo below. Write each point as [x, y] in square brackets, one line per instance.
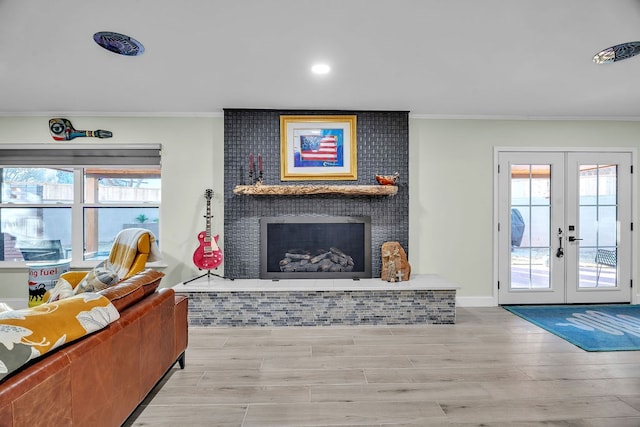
[417, 282]
[425, 299]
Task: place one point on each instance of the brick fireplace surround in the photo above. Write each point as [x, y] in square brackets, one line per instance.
[382, 148]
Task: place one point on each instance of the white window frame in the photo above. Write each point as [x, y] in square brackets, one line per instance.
[95, 155]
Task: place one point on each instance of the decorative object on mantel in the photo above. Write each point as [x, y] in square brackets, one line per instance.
[258, 181]
[62, 130]
[251, 168]
[395, 266]
[318, 148]
[305, 190]
[387, 179]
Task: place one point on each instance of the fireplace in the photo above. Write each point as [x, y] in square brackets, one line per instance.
[315, 247]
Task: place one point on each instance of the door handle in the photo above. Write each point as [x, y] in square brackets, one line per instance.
[573, 239]
[560, 251]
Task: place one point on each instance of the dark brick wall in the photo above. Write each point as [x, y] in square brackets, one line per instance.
[383, 148]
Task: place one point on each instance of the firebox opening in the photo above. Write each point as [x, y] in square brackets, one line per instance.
[315, 247]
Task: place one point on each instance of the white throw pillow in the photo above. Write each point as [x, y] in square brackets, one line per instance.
[61, 290]
[101, 277]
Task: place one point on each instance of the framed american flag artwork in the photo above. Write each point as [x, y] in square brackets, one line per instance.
[318, 148]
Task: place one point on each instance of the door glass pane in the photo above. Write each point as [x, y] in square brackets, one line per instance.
[540, 216]
[530, 226]
[598, 215]
[588, 226]
[607, 225]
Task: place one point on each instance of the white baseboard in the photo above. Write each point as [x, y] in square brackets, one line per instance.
[489, 301]
[16, 303]
[475, 302]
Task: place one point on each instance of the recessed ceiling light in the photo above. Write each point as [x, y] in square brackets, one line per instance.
[320, 69]
[119, 43]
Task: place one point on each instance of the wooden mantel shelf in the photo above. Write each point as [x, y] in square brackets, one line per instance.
[304, 190]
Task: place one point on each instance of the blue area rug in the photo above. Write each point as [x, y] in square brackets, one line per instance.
[590, 327]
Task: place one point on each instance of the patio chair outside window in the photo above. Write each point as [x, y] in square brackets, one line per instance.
[605, 258]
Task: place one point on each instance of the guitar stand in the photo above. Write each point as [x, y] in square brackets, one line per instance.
[208, 274]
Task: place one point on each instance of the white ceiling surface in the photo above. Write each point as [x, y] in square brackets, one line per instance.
[433, 58]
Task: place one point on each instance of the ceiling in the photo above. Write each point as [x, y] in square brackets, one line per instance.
[433, 58]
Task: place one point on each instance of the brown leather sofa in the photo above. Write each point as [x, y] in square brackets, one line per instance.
[100, 379]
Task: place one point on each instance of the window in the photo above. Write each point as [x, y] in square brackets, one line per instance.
[69, 202]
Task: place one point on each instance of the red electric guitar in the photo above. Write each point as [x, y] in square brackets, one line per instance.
[208, 256]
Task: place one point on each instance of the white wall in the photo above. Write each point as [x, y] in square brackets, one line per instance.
[451, 189]
[451, 185]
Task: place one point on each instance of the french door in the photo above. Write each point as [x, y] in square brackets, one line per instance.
[564, 227]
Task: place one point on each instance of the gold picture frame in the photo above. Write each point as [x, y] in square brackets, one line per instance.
[318, 148]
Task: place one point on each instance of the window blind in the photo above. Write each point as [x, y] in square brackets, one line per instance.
[33, 155]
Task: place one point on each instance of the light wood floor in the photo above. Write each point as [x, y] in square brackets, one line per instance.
[491, 368]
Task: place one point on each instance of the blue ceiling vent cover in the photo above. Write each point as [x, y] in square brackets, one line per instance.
[119, 43]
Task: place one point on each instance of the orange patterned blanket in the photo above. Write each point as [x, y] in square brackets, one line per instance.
[29, 333]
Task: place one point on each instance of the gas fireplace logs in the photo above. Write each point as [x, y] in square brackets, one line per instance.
[333, 260]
